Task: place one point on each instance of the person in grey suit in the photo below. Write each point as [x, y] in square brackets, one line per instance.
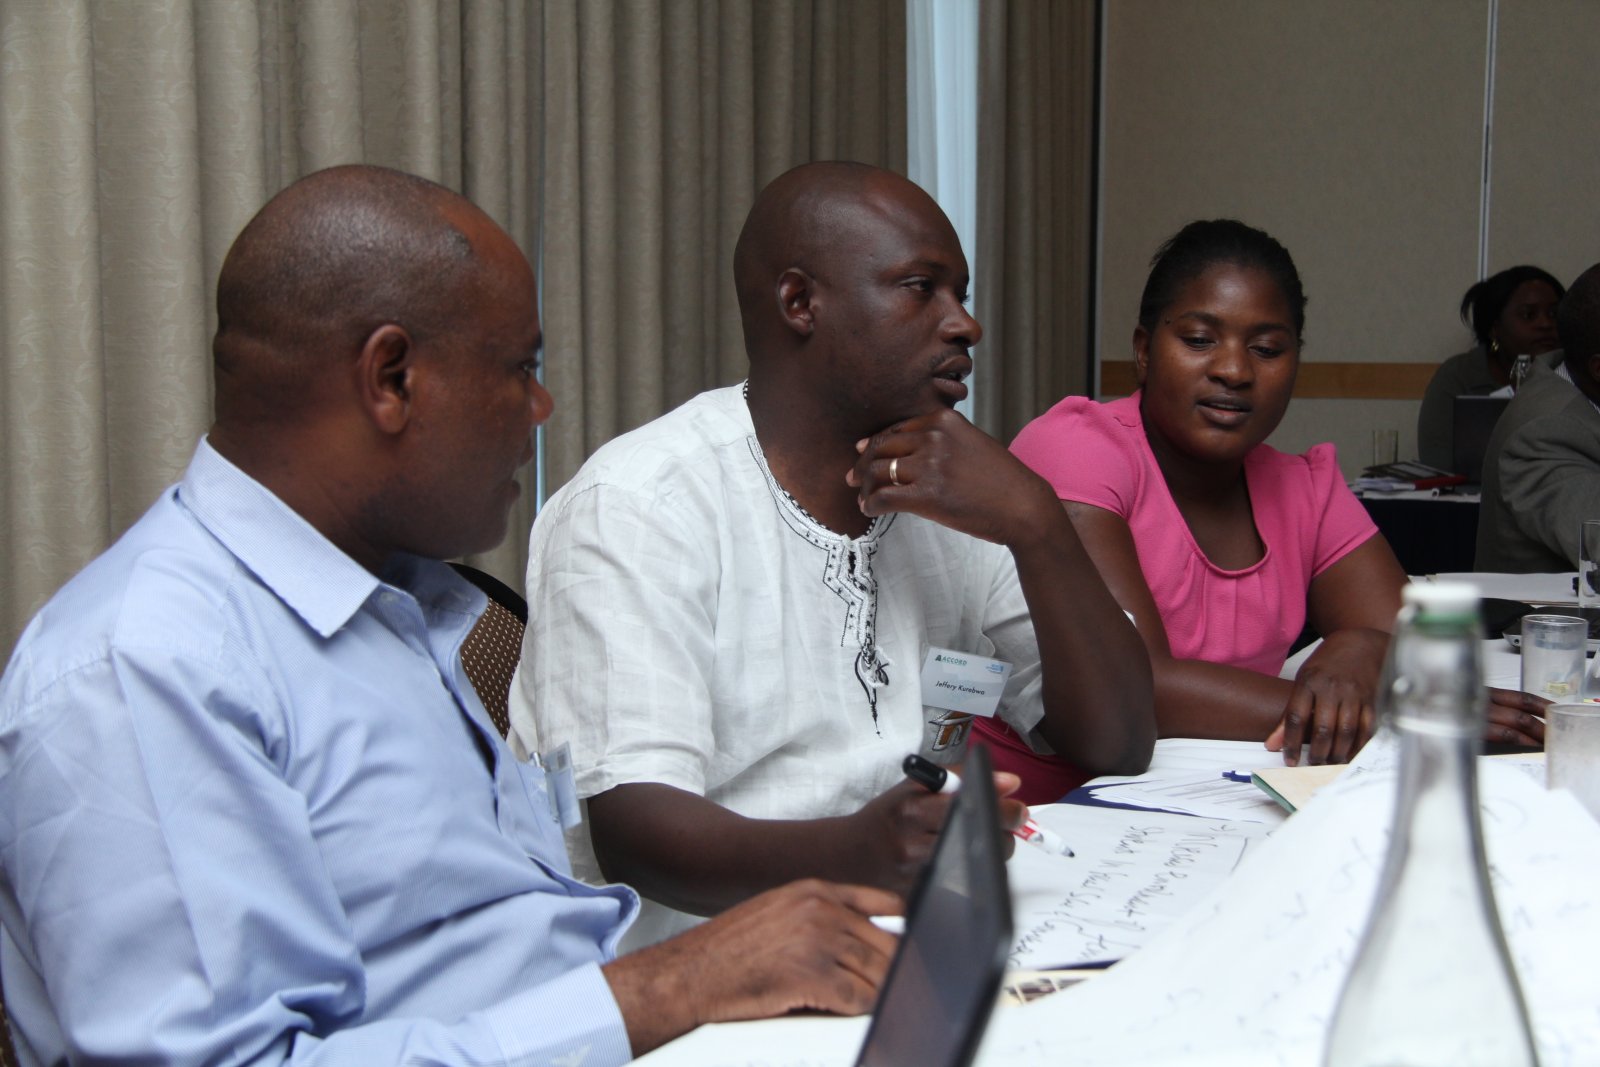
[1541, 471]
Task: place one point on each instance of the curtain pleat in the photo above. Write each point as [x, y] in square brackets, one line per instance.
[157, 395]
[56, 508]
[1036, 131]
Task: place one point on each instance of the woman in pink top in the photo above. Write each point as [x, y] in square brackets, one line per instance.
[1219, 545]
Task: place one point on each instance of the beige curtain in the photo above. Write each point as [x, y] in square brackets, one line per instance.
[136, 138]
[1034, 272]
[663, 120]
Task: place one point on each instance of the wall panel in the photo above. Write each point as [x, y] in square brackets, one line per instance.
[1352, 131]
[1545, 169]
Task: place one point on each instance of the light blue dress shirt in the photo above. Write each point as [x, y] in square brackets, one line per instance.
[246, 816]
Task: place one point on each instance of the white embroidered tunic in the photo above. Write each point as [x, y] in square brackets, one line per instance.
[691, 625]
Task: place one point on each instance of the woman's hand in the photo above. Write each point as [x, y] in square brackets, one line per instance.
[1515, 718]
[1330, 713]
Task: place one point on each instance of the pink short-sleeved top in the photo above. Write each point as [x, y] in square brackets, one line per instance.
[1306, 516]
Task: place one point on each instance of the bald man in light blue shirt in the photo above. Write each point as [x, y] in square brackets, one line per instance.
[251, 810]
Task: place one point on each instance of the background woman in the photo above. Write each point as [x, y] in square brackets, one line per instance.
[1510, 313]
[1219, 545]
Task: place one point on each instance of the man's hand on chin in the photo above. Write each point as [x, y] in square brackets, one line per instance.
[943, 468]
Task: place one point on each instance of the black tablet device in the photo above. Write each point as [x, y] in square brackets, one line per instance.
[1471, 422]
[946, 974]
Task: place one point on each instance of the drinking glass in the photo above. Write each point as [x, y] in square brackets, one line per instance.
[1552, 656]
[1589, 564]
[1572, 751]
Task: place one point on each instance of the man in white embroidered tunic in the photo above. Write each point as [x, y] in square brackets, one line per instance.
[733, 605]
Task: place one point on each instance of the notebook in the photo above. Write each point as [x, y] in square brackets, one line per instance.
[945, 976]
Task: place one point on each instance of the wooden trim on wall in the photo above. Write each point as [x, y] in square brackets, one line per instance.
[1319, 381]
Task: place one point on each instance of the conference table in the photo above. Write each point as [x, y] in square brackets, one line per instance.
[1248, 915]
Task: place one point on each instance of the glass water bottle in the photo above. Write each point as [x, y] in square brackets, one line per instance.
[1432, 982]
[1520, 368]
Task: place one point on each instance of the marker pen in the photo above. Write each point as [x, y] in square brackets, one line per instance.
[931, 776]
[937, 779]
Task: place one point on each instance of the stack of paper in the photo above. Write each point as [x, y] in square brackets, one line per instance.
[1252, 975]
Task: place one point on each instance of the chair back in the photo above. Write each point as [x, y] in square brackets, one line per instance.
[490, 653]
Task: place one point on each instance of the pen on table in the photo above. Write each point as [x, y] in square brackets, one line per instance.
[1237, 776]
[937, 779]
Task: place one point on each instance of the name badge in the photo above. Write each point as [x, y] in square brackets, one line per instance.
[562, 790]
[963, 682]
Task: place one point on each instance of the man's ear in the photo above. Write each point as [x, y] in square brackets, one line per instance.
[1141, 354]
[385, 377]
[797, 299]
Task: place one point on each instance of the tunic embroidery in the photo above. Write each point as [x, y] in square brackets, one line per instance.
[847, 574]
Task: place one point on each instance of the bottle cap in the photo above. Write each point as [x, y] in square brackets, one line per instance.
[1442, 598]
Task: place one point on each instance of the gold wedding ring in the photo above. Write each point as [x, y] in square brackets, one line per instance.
[894, 471]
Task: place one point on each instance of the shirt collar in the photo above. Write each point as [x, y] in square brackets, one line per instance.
[320, 583]
[787, 504]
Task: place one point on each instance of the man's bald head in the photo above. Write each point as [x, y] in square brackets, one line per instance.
[324, 263]
[852, 289]
[376, 351]
[807, 219]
